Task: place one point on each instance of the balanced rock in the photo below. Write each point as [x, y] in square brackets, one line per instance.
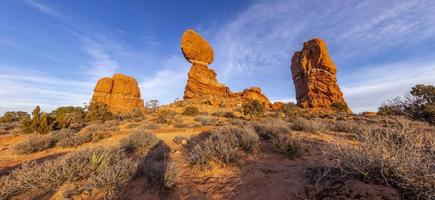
[202, 81]
[121, 93]
[195, 48]
[314, 77]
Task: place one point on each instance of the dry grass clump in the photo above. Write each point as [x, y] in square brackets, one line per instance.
[191, 111]
[222, 145]
[34, 143]
[346, 126]
[312, 126]
[287, 145]
[140, 141]
[102, 168]
[107, 126]
[269, 128]
[401, 155]
[206, 121]
[181, 125]
[165, 116]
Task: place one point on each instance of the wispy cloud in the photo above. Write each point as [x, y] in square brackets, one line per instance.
[43, 8]
[367, 88]
[168, 83]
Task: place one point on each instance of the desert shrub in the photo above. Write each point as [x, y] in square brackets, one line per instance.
[75, 139]
[34, 143]
[287, 145]
[346, 126]
[65, 116]
[419, 104]
[149, 126]
[181, 125]
[238, 122]
[224, 114]
[152, 105]
[140, 141]
[313, 126]
[39, 122]
[206, 121]
[252, 108]
[400, 155]
[164, 174]
[98, 112]
[107, 126]
[339, 107]
[291, 110]
[132, 125]
[191, 111]
[268, 129]
[180, 139]
[165, 116]
[134, 114]
[106, 168]
[222, 145]
[10, 116]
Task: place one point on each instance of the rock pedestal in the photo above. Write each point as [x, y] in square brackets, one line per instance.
[202, 81]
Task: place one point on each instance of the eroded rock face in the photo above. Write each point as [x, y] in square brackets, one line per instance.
[314, 76]
[121, 93]
[202, 81]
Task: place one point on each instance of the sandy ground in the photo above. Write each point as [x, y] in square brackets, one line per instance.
[262, 175]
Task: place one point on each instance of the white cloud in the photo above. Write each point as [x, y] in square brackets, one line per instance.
[168, 83]
[43, 8]
[367, 88]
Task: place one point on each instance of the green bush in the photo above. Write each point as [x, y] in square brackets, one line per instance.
[65, 116]
[98, 112]
[191, 111]
[253, 107]
[419, 104]
[165, 116]
[10, 116]
[339, 107]
[40, 122]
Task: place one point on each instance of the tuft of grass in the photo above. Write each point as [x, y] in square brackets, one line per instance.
[312, 126]
[140, 141]
[191, 111]
[206, 121]
[268, 129]
[34, 143]
[222, 145]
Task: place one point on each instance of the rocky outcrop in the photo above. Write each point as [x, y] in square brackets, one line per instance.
[202, 81]
[121, 93]
[314, 77]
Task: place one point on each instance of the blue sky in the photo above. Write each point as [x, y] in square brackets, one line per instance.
[52, 52]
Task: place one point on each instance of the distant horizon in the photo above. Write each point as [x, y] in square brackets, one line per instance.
[53, 52]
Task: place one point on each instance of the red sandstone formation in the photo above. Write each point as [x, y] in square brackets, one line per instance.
[202, 82]
[121, 93]
[314, 76]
